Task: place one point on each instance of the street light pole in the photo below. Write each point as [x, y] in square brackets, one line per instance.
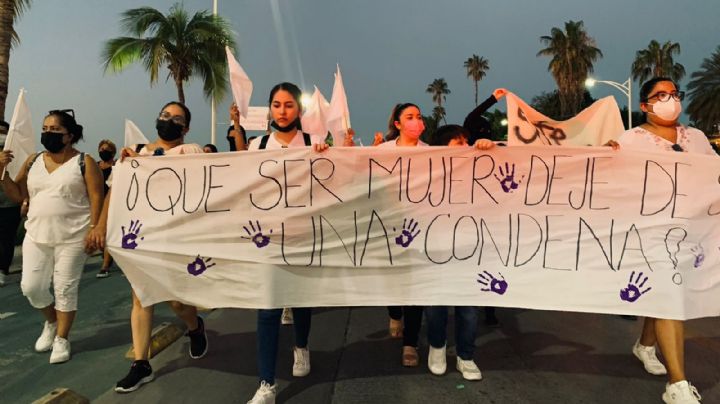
[213, 118]
[625, 88]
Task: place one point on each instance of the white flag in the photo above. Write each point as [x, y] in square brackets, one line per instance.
[240, 84]
[314, 119]
[133, 135]
[593, 126]
[20, 137]
[338, 115]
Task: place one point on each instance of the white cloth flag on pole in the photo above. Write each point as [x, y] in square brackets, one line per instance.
[338, 115]
[314, 119]
[240, 84]
[133, 135]
[593, 126]
[20, 137]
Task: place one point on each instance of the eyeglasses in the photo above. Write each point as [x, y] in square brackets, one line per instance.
[664, 97]
[166, 116]
[70, 112]
[677, 148]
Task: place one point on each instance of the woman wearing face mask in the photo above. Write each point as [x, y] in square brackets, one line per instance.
[106, 151]
[65, 194]
[172, 125]
[660, 101]
[285, 111]
[404, 129]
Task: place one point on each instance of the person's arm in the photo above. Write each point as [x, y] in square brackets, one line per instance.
[236, 131]
[94, 185]
[476, 114]
[15, 190]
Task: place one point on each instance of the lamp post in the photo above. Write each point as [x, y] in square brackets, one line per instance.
[213, 118]
[624, 87]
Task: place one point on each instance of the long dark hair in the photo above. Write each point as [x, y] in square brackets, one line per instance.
[393, 132]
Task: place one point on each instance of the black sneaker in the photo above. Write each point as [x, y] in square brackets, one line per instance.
[198, 340]
[140, 373]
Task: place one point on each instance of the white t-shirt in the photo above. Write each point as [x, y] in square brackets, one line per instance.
[59, 204]
[185, 148]
[690, 139]
[273, 143]
[393, 143]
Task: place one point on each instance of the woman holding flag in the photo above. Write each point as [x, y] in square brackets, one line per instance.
[64, 190]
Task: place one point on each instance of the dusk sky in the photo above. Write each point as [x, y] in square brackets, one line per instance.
[388, 50]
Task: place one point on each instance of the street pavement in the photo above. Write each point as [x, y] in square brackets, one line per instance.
[533, 357]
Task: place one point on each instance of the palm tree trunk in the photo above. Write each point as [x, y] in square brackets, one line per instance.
[476, 92]
[180, 91]
[6, 26]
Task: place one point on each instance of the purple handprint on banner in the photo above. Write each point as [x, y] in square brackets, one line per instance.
[632, 292]
[408, 233]
[256, 235]
[507, 178]
[699, 254]
[199, 265]
[492, 283]
[129, 239]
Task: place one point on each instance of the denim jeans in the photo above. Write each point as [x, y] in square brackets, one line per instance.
[465, 328]
[268, 330]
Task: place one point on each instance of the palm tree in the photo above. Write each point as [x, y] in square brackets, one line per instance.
[573, 53]
[10, 11]
[188, 47]
[439, 113]
[704, 94]
[476, 67]
[438, 88]
[657, 61]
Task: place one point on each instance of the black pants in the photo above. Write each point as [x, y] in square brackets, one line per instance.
[412, 320]
[9, 221]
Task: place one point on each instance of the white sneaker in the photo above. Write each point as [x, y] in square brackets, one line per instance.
[648, 357]
[301, 365]
[61, 350]
[45, 341]
[287, 317]
[469, 369]
[265, 394]
[681, 393]
[437, 363]
[3, 279]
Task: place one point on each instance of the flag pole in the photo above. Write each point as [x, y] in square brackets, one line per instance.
[213, 117]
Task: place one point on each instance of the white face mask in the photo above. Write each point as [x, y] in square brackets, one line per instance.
[669, 110]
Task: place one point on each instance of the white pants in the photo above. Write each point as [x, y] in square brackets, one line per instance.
[60, 265]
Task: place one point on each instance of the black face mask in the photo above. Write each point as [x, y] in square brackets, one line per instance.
[53, 141]
[292, 125]
[168, 130]
[106, 155]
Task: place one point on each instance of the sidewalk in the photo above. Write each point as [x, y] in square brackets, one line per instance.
[535, 357]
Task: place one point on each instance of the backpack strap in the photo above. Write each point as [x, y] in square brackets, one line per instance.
[32, 161]
[139, 147]
[306, 138]
[81, 163]
[264, 142]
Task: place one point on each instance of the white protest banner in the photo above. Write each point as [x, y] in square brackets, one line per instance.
[314, 118]
[593, 126]
[20, 138]
[257, 118]
[577, 229]
[240, 84]
[133, 134]
[338, 115]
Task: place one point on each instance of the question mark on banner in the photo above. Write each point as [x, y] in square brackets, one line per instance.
[673, 238]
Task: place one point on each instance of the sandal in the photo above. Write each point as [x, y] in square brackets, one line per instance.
[410, 357]
[396, 328]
